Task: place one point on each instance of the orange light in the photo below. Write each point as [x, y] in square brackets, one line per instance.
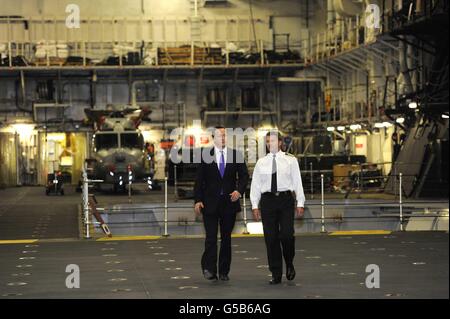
[204, 140]
[190, 140]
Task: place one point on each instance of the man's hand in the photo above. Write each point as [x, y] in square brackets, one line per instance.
[299, 212]
[235, 196]
[256, 214]
[198, 208]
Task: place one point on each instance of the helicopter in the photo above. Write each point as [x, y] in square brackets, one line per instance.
[118, 149]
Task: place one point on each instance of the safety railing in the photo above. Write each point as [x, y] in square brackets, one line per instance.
[87, 203]
[144, 54]
[346, 35]
[323, 204]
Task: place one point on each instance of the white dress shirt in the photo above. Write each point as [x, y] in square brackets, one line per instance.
[288, 177]
[218, 154]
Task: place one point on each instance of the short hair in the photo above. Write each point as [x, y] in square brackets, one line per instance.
[274, 132]
[218, 127]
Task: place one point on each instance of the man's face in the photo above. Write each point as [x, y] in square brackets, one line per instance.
[272, 143]
[220, 138]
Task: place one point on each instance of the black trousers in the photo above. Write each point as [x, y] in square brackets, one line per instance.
[277, 214]
[225, 217]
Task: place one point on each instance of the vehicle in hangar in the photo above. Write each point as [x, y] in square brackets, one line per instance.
[118, 149]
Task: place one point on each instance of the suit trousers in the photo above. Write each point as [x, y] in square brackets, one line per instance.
[277, 214]
[225, 217]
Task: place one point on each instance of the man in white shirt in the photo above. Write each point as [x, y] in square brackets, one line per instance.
[275, 178]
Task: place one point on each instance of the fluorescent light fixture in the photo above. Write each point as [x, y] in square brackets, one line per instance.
[387, 124]
[412, 105]
[445, 116]
[330, 128]
[355, 127]
[379, 125]
[341, 128]
[23, 129]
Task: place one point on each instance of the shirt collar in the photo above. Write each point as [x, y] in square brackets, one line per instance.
[218, 150]
[277, 154]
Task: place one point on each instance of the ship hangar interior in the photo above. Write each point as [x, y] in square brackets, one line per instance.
[91, 93]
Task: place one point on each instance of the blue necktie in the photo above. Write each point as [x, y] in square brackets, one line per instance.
[222, 164]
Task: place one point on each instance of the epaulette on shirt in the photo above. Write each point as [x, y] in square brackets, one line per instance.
[289, 154]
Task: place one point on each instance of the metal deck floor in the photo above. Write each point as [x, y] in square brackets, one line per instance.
[412, 265]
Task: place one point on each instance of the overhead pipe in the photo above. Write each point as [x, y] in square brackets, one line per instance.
[23, 90]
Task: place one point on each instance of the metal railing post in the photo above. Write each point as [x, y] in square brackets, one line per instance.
[245, 215]
[10, 55]
[395, 181]
[130, 177]
[175, 182]
[227, 54]
[85, 199]
[322, 204]
[86, 204]
[166, 234]
[400, 201]
[262, 52]
[360, 181]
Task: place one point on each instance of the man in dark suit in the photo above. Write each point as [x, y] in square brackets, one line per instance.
[222, 178]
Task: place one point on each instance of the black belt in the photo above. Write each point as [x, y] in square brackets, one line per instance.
[278, 193]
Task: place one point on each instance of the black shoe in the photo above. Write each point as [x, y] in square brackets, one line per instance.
[275, 280]
[290, 272]
[208, 275]
[224, 277]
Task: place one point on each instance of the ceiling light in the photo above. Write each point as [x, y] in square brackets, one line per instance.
[379, 125]
[412, 105]
[355, 127]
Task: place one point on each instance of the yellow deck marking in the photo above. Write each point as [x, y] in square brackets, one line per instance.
[360, 232]
[118, 238]
[18, 241]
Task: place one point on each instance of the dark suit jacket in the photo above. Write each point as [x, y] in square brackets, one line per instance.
[209, 183]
